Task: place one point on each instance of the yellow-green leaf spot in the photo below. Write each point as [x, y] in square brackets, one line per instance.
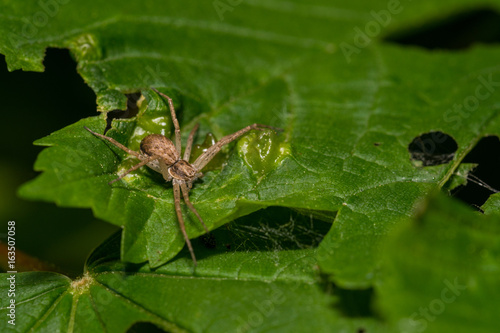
[149, 121]
[216, 162]
[85, 47]
[263, 151]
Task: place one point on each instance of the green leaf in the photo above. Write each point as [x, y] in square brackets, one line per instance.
[492, 205]
[347, 118]
[460, 177]
[243, 289]
[440, 271]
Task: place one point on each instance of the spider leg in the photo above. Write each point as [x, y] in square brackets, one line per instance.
[153, 165]
[207, 156]
[187, 152]
[116, 143]
[177, 201]
[135, 167]
[178, 146]
[185, 194]
[164, 170]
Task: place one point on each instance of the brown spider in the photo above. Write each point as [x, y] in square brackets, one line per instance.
[160, 154]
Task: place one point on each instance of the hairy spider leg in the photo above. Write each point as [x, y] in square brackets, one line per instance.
[185, 194]
[135, 167]
[178, 145]
[189, 145]
[116, 143]
[178, 211]
[207, 156]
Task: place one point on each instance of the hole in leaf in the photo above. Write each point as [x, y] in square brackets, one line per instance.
[270, 229]
[208, 240]
[485, 178]
[277, 228]
[432, 148]
[354, 303]
[458, 31]
[131, 111]
[145, 327]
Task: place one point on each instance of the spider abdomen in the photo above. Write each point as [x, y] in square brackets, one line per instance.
[160, 145]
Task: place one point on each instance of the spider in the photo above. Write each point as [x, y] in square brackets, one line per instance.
[160, 154]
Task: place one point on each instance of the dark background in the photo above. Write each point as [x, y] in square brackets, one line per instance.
[33, 106]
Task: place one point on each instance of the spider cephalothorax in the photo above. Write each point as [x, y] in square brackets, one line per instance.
[182, 170]
[161, 154]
